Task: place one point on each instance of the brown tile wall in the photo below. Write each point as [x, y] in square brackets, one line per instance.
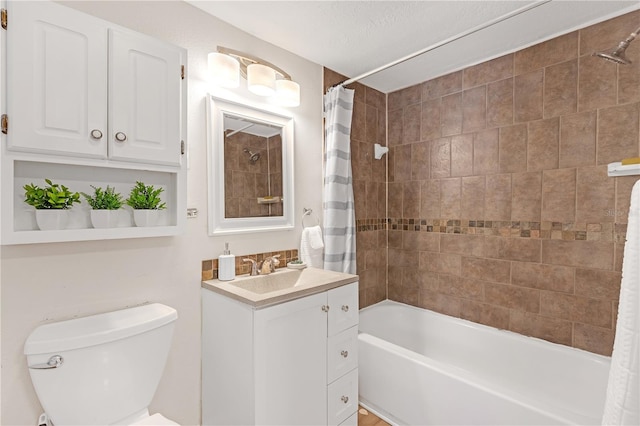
[369, 186]
[500, 208]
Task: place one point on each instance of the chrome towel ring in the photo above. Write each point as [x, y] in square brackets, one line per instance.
[308, 212]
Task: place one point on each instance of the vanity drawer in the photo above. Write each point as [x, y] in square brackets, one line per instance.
[342, 353]
[351, 421]
[342, 398]
[343, 304]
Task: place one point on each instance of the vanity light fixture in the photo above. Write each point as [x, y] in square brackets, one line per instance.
[263, 78]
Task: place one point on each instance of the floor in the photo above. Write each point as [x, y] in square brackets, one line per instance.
[365, 418]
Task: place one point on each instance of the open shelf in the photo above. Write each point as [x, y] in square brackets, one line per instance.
[18, 219]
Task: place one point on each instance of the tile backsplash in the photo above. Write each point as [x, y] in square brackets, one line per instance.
[210, 266]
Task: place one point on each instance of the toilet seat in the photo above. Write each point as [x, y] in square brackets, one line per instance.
[155, 420]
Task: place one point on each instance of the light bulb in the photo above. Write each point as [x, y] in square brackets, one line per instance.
[287, 93]
[261, 79]
[224, 70]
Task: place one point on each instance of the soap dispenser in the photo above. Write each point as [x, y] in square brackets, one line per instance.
[226, 265]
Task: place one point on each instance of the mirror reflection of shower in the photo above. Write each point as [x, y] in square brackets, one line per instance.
[253, 168]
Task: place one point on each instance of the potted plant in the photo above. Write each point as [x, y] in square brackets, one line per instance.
[51, 203]
[146, 203]
[105, 204]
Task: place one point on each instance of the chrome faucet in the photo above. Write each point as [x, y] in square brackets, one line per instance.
[254, 266]
[268, 265]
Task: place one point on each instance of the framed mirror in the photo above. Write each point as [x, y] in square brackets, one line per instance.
[250, 164]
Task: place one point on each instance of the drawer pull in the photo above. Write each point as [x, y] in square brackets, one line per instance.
[96, 134]
[344, 353]
[344, 399]
[345, 308]
[325, 308]
[121, 137]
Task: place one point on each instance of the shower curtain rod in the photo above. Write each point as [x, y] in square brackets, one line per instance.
[446, 41]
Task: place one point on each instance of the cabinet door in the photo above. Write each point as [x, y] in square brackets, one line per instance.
[290, 363]
[145, 90]
[57, 80]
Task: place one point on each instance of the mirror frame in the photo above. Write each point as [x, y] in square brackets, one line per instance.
[216, 109]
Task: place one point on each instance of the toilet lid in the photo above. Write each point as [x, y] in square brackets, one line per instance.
[155, 420]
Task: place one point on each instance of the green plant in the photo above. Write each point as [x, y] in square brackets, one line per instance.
[107, 199]
[53, 196]
[145, 197]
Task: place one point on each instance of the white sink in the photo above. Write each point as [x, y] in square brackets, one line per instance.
[280, 286]
[262, 284]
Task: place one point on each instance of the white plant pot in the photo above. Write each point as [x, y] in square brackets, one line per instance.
[104, 218]
[146, 217]
[52, 219]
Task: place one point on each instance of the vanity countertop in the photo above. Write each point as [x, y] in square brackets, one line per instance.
[281, 286]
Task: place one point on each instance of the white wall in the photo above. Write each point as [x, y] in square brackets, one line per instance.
[48, 282]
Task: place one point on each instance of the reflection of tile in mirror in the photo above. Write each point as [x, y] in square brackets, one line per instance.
[253, 168]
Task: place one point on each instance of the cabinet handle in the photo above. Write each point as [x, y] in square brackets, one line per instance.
[96, 134]
[325, 308]
[121, 137]
[344, 353]
[344, 399]
[345, 308]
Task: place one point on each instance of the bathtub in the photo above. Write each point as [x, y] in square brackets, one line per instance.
[418, 367]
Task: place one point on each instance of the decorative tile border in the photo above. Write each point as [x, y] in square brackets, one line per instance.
[371, 224]
[210, 267]
[607, 231]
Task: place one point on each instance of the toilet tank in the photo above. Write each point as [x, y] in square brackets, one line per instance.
[111, 366]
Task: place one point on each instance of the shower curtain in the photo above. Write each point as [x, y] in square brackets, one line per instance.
[622, 406]
[339, 219]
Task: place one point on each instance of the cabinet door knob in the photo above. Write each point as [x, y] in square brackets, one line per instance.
[96, 134]
[345, 308]
[121, 137]
[325, 308]
[344, 353]
[344, 399]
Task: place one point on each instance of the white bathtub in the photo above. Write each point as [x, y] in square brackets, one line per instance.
[418, 367]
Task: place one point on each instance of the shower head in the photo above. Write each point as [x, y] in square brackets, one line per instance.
[253, 156]
[618, 55]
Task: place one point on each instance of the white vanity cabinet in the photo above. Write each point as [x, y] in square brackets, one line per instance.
[293, 363]
[80, 86]
[89, 103]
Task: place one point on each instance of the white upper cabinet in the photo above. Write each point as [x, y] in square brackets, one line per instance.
[88, 103]
[80, 86]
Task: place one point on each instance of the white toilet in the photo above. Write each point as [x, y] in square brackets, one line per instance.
[102, 369]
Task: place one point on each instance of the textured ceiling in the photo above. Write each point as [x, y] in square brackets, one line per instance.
[354, 37]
